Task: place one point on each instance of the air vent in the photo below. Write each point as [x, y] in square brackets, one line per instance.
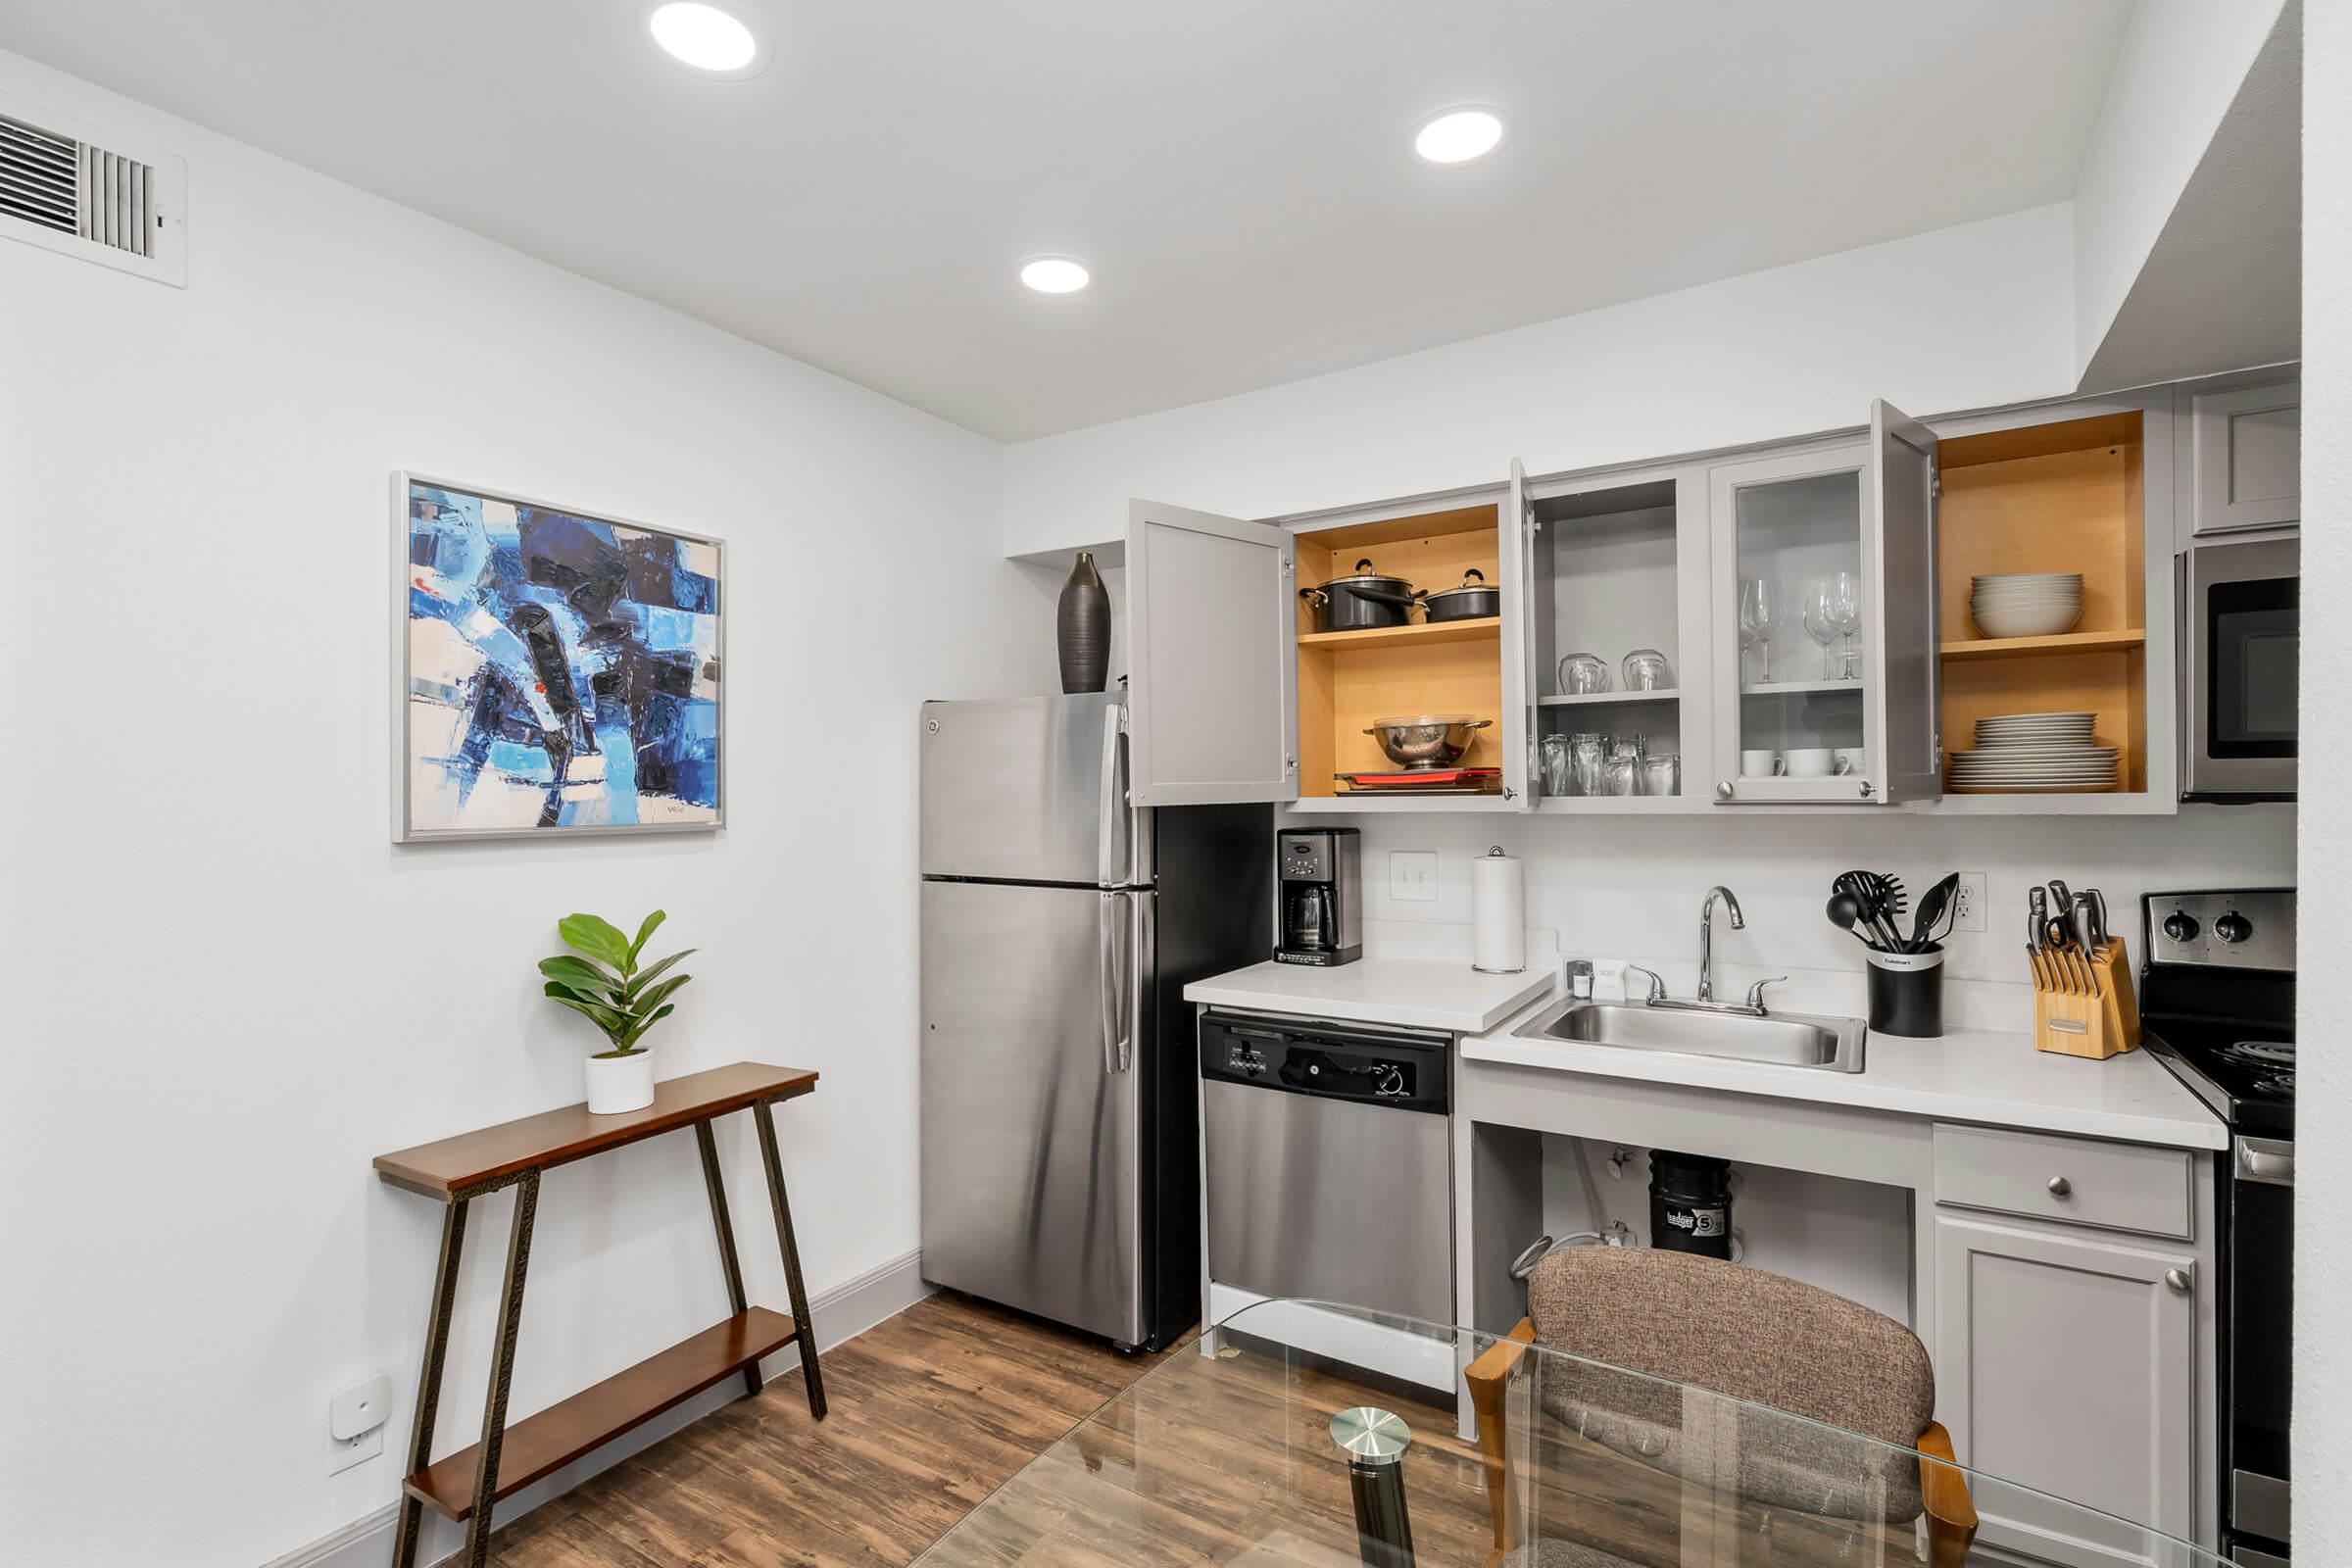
[68, 190]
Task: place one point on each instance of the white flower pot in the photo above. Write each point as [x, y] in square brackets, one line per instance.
[620, 1083]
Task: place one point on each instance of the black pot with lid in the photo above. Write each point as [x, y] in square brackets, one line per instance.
[1361, 600]
[1474, 600]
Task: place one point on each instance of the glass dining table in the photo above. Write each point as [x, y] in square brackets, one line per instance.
[1251, 1451]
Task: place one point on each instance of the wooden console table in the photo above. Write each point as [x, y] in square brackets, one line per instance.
[456, 1170]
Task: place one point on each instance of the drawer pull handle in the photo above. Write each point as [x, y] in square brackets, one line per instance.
[2176, 1281]
[2060, 1186]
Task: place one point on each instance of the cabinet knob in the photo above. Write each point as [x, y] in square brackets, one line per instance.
[2176, 1280]
[1722, 789]
[2060, 1186]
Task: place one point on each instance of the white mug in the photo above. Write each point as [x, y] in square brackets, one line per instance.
[1811, 762]
[1851, 760]
[1761, 764]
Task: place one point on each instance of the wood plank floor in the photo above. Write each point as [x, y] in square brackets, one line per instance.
[930, 1412]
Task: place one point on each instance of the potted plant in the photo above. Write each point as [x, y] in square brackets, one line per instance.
[606, 985]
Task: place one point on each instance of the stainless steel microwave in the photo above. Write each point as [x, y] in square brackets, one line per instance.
[2240, 641]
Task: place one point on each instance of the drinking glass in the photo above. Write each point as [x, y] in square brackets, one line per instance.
[1621, 774]
[1662, 775]
[1645, 670]
[1761, 611]
[1843, 604]
[1559, 774]
[1587, 755]
[1582, 674]
[1819, 626]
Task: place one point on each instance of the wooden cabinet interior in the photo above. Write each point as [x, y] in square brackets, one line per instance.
[1348, 679]
[2059, 497]
[1607, 580]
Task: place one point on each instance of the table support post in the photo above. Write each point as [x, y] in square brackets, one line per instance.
[716, 1185]
[428, 1381]
[763, 1117]
[502, 1371]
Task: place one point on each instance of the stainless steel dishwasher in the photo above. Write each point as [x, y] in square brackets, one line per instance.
[1328, 1163]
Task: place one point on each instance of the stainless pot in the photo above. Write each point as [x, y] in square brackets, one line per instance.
[1360, 601]
[1426, 739]
[1474, 600]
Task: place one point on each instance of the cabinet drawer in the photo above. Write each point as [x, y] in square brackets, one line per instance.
[2125, 1187]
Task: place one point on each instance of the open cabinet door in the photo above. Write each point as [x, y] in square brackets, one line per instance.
[1212, 677]
[1899, 490]
[1515, 551]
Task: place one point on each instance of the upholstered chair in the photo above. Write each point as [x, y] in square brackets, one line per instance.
[1736, 1332]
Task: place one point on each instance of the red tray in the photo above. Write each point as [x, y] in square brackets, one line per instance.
[1421, 778]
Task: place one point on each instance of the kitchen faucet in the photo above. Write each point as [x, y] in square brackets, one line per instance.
[1706, 937]
[1704, 1000]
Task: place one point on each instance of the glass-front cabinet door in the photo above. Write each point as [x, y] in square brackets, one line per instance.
[1823, 598]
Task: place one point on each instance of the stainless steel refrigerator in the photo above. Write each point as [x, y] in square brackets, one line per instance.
[1059, 925]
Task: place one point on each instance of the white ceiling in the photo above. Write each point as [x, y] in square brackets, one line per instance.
[1238, 173]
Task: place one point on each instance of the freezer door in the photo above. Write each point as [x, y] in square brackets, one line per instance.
[1031, 1181]
[1030, 789]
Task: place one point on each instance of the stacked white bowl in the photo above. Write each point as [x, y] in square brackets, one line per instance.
[2026, 603]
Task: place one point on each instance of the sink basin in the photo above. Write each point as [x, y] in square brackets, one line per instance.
[1785, 1039]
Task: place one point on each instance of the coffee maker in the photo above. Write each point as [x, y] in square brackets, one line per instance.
[1318, 871]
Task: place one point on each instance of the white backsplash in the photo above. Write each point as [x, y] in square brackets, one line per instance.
[1631, 887]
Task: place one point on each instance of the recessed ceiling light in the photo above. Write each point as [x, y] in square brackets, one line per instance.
[704, 38]
[1056, 274]
[1458, 135]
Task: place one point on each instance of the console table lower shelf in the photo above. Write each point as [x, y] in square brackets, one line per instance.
[466, 1485]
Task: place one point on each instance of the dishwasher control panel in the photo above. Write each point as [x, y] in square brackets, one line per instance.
[1327, 1061]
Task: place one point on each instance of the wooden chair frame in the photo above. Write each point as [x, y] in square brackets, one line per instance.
[1951, 1513]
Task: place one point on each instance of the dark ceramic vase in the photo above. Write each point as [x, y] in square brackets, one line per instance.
[1082, 629]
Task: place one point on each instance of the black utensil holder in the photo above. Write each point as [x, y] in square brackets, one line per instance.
[1907, 994]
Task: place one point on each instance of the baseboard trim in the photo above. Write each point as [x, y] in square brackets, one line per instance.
[842, 1313]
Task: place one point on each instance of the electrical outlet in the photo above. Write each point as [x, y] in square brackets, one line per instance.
[1968, 902]
[1414, 875]
[355, 1422]
[355, 1451]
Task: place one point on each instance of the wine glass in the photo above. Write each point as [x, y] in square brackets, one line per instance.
[1760, 610]
[1841, 606]
[1819, 626]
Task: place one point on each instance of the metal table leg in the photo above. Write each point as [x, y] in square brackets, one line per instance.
[736, 1301]
[428, 1381]
[764, 1116]
[502, 1371]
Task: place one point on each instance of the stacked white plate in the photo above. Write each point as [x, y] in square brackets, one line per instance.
[2035, 751]
[2026, 603]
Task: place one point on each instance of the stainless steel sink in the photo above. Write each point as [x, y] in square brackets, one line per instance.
[1787, 1039]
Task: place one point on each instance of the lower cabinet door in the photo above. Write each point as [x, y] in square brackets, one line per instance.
[2069, 1366]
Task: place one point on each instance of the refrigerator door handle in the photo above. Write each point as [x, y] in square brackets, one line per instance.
[1140, 945]
[1111, 934]
[1111, 856]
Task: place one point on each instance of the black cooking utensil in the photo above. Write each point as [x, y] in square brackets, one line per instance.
[1869, 899]
[1845, 914]
[1931, 909]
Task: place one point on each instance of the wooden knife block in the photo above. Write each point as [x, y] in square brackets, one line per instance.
[2083, 1006]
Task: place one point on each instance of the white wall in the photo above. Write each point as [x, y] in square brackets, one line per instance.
[2322, 1458]
[230, 990]
[1964, 317]
[1631, 887]
[2176, 72]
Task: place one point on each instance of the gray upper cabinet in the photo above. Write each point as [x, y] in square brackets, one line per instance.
[2245, 451]
[2070, 1360]
[1212, 692]
[1824, 613]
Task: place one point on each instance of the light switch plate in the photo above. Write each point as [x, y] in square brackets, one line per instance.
[1414, 875]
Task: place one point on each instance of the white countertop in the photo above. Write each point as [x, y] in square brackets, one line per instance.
[1969, 1075]
[1414, 992]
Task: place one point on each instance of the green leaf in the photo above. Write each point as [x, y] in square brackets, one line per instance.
[639, 1005]
[651, 922]
[597, 938]
[638, 981]
[580, 975]
[603, 1017]
[643, 1024]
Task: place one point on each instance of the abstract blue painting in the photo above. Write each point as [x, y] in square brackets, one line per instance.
[561, 670]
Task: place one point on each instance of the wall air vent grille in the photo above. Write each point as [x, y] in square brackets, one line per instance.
[62, 190]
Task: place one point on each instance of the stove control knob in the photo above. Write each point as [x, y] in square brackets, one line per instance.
[2233, 927]
[2180, 926]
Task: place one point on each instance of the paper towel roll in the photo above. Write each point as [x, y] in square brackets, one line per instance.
[1498, 913]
